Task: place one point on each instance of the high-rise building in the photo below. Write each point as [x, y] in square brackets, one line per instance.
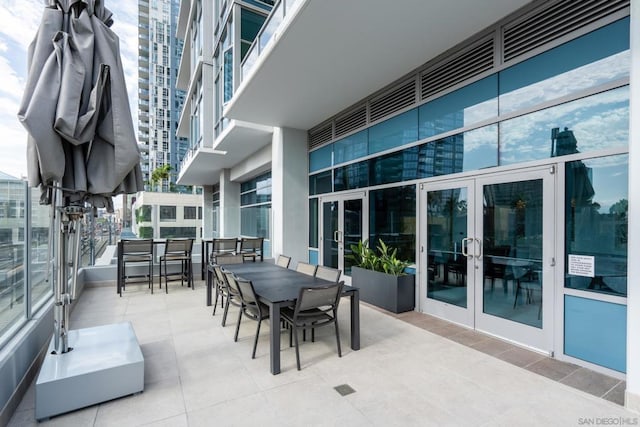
[159, 103]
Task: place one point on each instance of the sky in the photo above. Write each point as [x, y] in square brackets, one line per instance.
[19, 21]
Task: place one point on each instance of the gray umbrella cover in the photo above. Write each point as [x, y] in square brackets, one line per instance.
[76, 109]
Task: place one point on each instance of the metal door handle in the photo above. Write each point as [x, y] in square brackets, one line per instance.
[465, 246]
[479, 254]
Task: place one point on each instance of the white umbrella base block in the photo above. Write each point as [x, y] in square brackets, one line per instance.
[106, 363]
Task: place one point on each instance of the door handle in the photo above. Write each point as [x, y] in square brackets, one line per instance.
[335, 236]
[465, 246]
[479, 254]
[339, 233]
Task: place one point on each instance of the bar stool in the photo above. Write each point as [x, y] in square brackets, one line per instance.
[137, 252]
[177, 250]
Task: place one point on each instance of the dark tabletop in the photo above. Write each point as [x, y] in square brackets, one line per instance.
[274, 283]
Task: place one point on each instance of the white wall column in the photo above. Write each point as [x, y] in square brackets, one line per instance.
[632, 395]
[207, 207]
[290, 194]
[229, 205]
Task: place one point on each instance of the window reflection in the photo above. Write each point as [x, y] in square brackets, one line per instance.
[463, 107]
[320, 183]
[392, 218]
[598, 57]
[596, 215]
[352, 176]
[598, 121]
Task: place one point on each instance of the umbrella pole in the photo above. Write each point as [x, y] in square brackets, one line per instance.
[70, 217]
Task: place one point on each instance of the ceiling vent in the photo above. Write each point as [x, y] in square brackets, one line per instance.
[467, 64]
[552, 22]
[395, 100]
[320, 135]
[351, 121]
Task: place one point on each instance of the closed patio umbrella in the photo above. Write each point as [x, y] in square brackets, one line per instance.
[81, 145]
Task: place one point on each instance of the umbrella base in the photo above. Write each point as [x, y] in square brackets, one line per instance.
[106, 363]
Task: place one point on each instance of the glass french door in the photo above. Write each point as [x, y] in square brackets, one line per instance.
[486, 254]
[343, 224]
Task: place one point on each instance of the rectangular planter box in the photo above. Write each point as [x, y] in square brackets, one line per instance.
[393, 293]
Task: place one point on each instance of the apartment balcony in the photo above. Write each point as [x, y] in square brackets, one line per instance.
[309, 48]
[202, 165]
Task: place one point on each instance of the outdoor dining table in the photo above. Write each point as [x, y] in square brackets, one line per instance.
[279, 287]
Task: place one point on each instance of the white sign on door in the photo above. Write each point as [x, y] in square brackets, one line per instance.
[582, 265]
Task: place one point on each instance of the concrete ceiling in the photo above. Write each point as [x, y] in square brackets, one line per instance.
[333, 53]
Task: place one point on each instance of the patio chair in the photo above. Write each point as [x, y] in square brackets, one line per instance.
[229, 259]
[251, 308]
[177, 250]
[283, 261]
[220, 287]
[252, 248]
[306, 268]
[315, 307]
[222, 247]
[135, 253]
[233, 297]
[328, 273]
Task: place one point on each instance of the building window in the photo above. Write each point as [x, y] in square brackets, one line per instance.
[167, 213]
[255, 207]
[596, 218]
[392, 219]
[177, 232]
[190, 212]
[143, 214]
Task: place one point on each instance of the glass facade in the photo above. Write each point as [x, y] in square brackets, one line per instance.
[21, 267]
[506, 118]
[596, 218]
[255, 208]
[392, 219]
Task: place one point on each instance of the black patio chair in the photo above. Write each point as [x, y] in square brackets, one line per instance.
[283, 261]
[315, 307]
[251, 308]
[306, 268]
[137, 252]
[233, 297]
[177, 250]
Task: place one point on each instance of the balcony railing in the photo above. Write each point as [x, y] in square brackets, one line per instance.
[266, 33]
[26, 253]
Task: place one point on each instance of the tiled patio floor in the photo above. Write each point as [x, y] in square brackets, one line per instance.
[432, 374]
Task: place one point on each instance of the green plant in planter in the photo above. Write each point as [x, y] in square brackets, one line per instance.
[387, 261]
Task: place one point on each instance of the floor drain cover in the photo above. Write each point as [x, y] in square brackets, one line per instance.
[344, 389]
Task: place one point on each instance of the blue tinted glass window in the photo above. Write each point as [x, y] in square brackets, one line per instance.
[394, 132]
[472, 150]
[596, 122]
[355, 175]
[251, 23]
[392, 219]
[320, 158]
[228, 74]
[254, 221]
[313, 223]
[351, 147]
[463, 107]
[395, 167]
[596, 215]
[320, 183]
[595, 58]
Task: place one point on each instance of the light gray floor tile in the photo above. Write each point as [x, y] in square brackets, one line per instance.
[403, 375]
